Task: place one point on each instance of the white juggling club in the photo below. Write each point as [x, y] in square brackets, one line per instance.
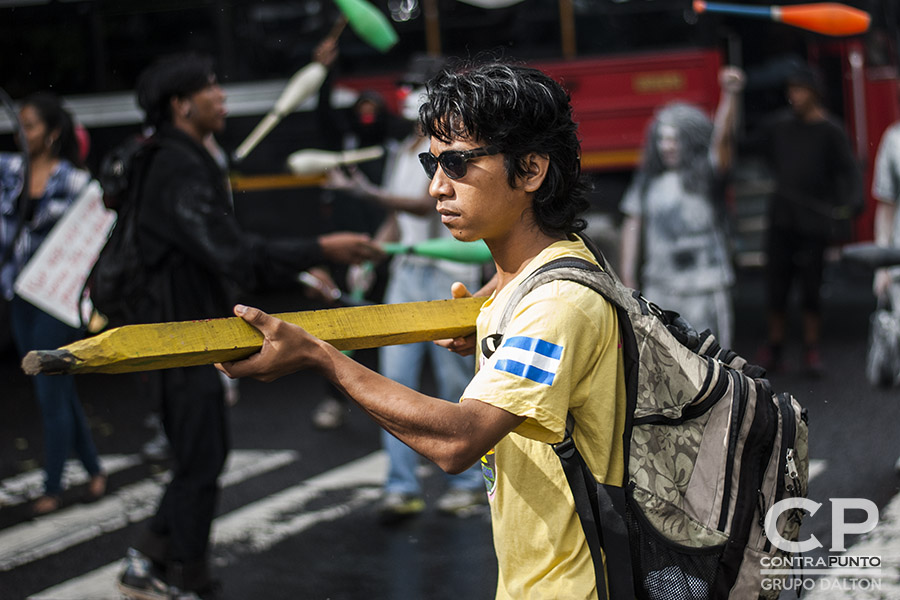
[301, 86]
[315, 162]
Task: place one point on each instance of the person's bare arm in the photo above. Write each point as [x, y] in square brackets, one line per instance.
[453, 436]
[389, 230]
[349, 248]
[360, 185]
[884, 228]
[731, 80]
[629, 250]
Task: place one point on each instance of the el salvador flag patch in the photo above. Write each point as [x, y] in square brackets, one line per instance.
[528, 357]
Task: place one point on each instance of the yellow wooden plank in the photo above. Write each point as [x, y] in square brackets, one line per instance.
[255, 183]
[609, 159]
[187, 343]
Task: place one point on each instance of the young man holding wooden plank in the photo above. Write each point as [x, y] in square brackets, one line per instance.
[504, 166]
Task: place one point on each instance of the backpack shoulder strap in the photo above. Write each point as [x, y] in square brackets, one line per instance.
[567, 268]
[600, 507]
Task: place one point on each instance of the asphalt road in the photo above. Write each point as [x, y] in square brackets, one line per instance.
[296, 515]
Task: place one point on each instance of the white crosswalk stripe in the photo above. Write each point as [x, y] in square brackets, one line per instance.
[257, 526]
[253, 528]
[30, 485]
[33, 540]
[816, 467]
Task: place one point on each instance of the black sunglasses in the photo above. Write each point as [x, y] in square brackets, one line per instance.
[453, 162]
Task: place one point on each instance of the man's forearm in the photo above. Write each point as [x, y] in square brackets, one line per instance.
[420, 206]
[441, 431]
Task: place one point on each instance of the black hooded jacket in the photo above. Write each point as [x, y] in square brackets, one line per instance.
[191, 240]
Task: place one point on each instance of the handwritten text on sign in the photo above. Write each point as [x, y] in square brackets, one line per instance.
[54, 277]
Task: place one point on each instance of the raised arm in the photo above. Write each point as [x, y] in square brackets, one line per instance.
[731, 81]
[629, 250]
[884, 230]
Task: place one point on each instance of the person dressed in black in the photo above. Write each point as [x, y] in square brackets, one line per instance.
[197, 257]
[816, 176]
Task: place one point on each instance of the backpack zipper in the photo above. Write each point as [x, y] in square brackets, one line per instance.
[787, 466]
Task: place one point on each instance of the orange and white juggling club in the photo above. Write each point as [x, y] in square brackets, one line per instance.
[827, 18]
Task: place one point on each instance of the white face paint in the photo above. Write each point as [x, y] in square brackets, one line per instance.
[411, 104]
[668, 146]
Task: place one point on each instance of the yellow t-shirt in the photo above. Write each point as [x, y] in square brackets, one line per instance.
[560, 354]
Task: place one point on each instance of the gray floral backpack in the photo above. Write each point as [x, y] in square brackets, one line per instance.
[709, 449]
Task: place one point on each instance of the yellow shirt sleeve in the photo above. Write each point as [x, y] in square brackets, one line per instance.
[547, 362]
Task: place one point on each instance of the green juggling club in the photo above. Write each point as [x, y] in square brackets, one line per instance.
[445, 249]
[368, 23]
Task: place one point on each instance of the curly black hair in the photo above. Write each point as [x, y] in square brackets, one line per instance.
[176, 75]
[522, 111]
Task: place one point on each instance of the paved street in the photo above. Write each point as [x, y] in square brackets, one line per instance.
[295, 518]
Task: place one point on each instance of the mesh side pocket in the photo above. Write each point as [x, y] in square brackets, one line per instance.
[665, 570]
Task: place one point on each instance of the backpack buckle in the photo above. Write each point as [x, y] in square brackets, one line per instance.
[490, 344]
[565, 448]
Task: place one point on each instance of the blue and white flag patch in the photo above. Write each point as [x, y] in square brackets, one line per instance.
[528, 357]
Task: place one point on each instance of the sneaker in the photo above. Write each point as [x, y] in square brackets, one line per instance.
[329, 414]
[812, 361]
[138, 580]
[395, 506]
[461, 502]
[769, 358]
